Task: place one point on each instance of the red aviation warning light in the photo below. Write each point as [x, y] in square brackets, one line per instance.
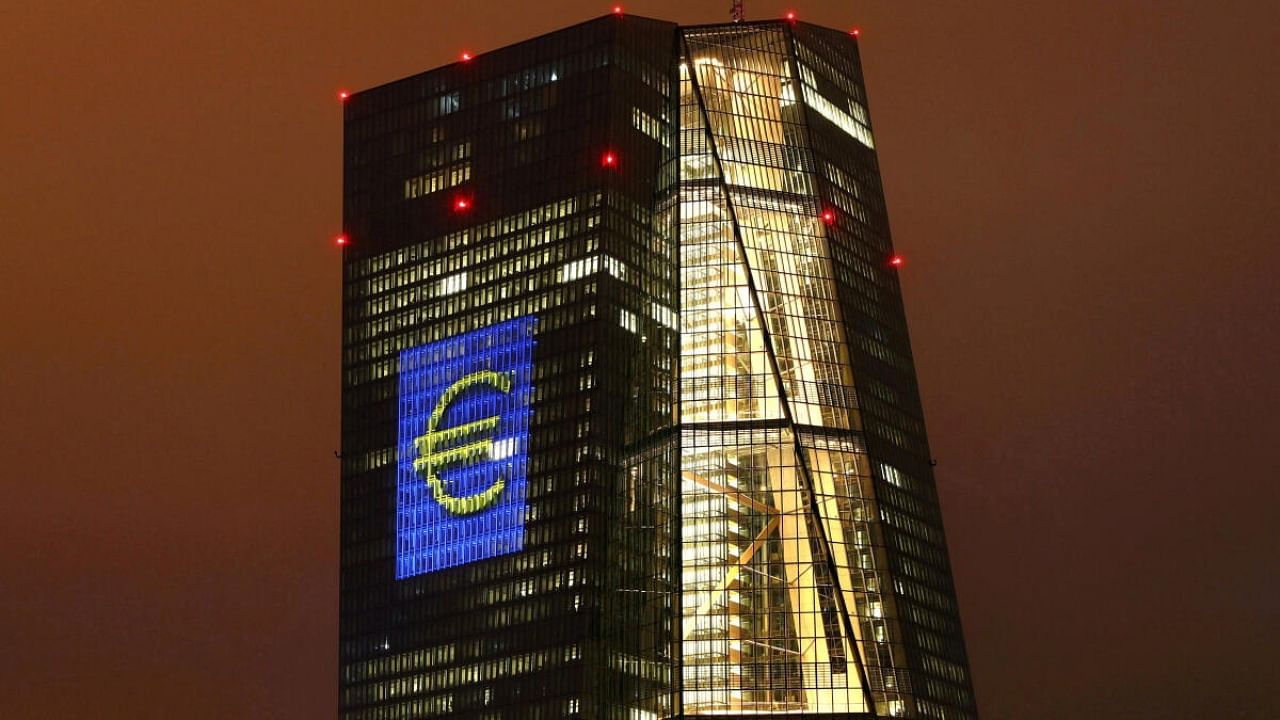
[617, 9]
[855, 32]
[609, 159]
[828, 217]
[340, 240]
[896, 261]
[791, 16]
[461, 204]
[343, 95]
[466, 56]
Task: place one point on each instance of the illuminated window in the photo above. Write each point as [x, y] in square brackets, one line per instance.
[453, 284]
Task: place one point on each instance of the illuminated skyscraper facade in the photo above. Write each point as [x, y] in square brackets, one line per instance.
[630, 423]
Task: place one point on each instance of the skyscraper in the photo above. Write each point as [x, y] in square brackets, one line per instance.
[630, 422]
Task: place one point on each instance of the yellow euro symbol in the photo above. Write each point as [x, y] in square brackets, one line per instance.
[432, 459]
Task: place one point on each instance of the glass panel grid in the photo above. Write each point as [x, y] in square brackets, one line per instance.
[783, 605]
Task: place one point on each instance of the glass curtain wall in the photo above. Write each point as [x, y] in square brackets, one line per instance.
[475, 198]
[783, 601]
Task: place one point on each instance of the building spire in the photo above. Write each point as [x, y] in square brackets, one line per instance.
[737, 12]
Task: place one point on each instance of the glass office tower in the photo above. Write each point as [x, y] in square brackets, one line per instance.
[630, 423]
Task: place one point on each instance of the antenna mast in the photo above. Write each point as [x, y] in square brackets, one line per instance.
[736, 12]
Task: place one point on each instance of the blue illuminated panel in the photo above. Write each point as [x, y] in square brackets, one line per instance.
[462, 455]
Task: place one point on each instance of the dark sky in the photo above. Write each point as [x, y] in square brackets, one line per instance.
[1085, 192]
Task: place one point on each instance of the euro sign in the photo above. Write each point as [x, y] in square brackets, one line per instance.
[433, 456]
